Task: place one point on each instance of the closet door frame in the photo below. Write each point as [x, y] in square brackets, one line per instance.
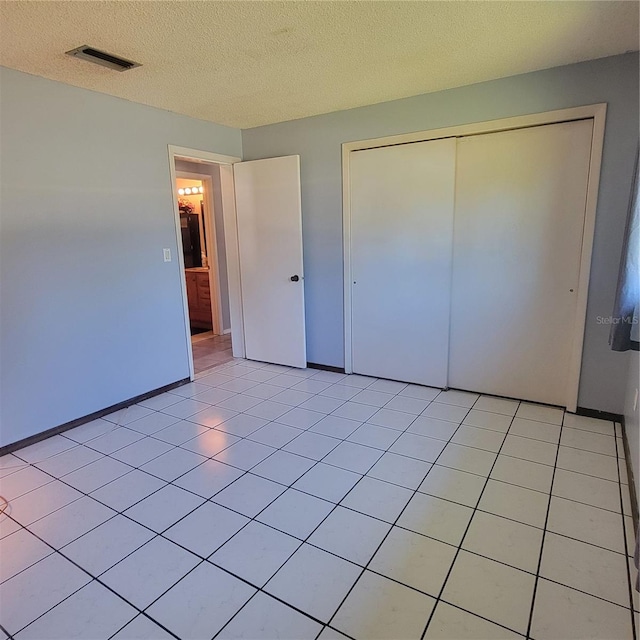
[596, 112]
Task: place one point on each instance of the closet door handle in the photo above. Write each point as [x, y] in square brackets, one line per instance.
[294, 278]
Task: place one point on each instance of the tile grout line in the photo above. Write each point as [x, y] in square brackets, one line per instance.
[400, 433]
[244, 471]
[180, 445]
[334, 508]
[392, 579]
[92, 579]
[144, 435]
[544, 534]
[156, 534]
[385, 450]
[270, 526]
[121, 513]
[634, 631]
[187, 419]
[405, 430]
[72, 561]
[247, 437]
[252, 519]
[415, 491]
[305, 541]
[459, 546]
[393, 524]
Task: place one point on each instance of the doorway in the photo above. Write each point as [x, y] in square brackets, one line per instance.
[197, 190]
[204, 266]
[254, 237]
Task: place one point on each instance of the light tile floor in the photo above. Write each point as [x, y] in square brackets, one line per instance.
[210, 351]
[263, 502]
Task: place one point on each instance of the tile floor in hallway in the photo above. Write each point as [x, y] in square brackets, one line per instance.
[210, 351]
[263, 502]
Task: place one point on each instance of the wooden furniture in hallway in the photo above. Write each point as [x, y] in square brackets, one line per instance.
[199, 297]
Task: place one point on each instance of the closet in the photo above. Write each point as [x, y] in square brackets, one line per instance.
[402, 227]
[465, 259]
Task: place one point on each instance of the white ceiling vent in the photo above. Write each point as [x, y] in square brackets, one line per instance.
[103, 58]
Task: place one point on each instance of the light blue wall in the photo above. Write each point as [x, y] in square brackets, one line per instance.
[318, 141]
[90, 313]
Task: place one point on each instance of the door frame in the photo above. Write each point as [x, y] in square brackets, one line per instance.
[597, 112]
[231, 241]
[209, 224]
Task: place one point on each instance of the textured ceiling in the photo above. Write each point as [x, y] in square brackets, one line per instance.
[251, 63]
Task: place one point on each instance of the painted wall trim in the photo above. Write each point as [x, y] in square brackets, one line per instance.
[25, 442]
[180, 258]
[184, 153]
[325, 367]
[630, 475]
[477, 128]
[597, 112]
[230, 217]
[232, 257]
[593, 185]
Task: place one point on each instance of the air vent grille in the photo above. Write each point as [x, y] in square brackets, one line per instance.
[103, 58]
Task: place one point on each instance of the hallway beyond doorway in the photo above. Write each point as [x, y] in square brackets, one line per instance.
[210, 351]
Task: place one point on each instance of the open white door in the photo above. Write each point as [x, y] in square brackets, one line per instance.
[269, 215]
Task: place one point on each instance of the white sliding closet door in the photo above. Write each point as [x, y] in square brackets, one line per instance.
[520, 204]
[401, 235]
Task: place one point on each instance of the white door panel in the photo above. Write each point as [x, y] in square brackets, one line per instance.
[520, 202]
[269, 218]
[402, 200]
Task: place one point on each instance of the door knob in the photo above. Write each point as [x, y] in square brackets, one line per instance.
[295, 278]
